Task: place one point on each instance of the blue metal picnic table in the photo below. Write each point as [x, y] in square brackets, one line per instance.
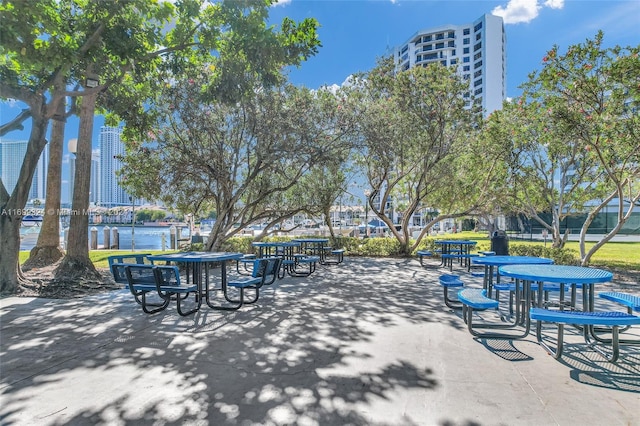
[198, 262]
[462, 252]
[491, 262]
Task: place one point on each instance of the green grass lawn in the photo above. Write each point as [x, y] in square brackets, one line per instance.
[100, 257]
[624, 255]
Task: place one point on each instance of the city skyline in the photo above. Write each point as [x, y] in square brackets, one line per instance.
[104, 188]
[11, 157]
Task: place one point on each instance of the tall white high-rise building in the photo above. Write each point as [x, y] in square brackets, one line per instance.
[11, 158]
[72, 175]
[477, 49]
[111, 194]
[94, 188]
[39, 182]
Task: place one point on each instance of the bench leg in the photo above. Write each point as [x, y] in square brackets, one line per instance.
[158, 307]
[295, 272]
[615, 345]
[245, 270]
[189, 312]
[137, 295]
[242, 299]
[239, 302]
[422, 261]
[451, 303]
[595, 336]
[557, 353]
[467, 315]
[332, 259]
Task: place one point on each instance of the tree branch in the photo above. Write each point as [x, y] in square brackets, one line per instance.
[16, 123]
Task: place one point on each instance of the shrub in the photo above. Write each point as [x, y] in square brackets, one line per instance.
[353, 246]
[560, 256]
[239, 245]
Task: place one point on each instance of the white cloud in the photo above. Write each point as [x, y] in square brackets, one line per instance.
[554, 4]
[523, 11]
[281, 3]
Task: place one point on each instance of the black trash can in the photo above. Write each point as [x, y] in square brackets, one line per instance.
[500, 243]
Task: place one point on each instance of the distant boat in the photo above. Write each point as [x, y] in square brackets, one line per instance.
[32, 220]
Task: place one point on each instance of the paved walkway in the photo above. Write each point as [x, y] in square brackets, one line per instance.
[368, 342]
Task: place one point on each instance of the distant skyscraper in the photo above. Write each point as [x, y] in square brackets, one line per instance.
[11, 158]
[111, 194]
[39, 183]
[477, 49]
[72, 175]
[94, 195]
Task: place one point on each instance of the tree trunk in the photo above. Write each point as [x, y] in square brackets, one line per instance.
[9, 253]
[47, 250]
[76, 263]
[12, 208]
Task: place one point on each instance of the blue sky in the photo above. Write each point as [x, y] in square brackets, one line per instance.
[354, 33]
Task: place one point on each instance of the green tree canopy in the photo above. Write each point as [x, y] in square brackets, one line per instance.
[50, 49]
[417, 130]
[576, 131]
[247, 161]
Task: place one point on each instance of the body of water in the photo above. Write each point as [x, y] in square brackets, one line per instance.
[145, 237]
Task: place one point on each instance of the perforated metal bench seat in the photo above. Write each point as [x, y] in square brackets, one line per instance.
[293, 268]
[244, 282]
[629, 300]
[264, 271]
[169, 288]
[604, 318]
[424, 253]
[332, 256]
[454, 255]
[448, 281]
[613, 319]
[476, 298]
[307, 259]
[162, 280]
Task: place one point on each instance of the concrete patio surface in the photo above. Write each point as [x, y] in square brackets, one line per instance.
[367, 342]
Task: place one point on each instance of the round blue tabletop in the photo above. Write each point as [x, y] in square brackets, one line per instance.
[510, 260]
[564, 274]
[461, 242]
[275, 244]
[197, 256]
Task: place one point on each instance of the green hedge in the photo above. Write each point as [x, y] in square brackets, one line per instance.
[560, 256]
[389, 247]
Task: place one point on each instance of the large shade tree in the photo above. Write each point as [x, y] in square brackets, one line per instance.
[247, 160]
[418, 135]
[575, 131]
[48, 44]
[38, 56]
